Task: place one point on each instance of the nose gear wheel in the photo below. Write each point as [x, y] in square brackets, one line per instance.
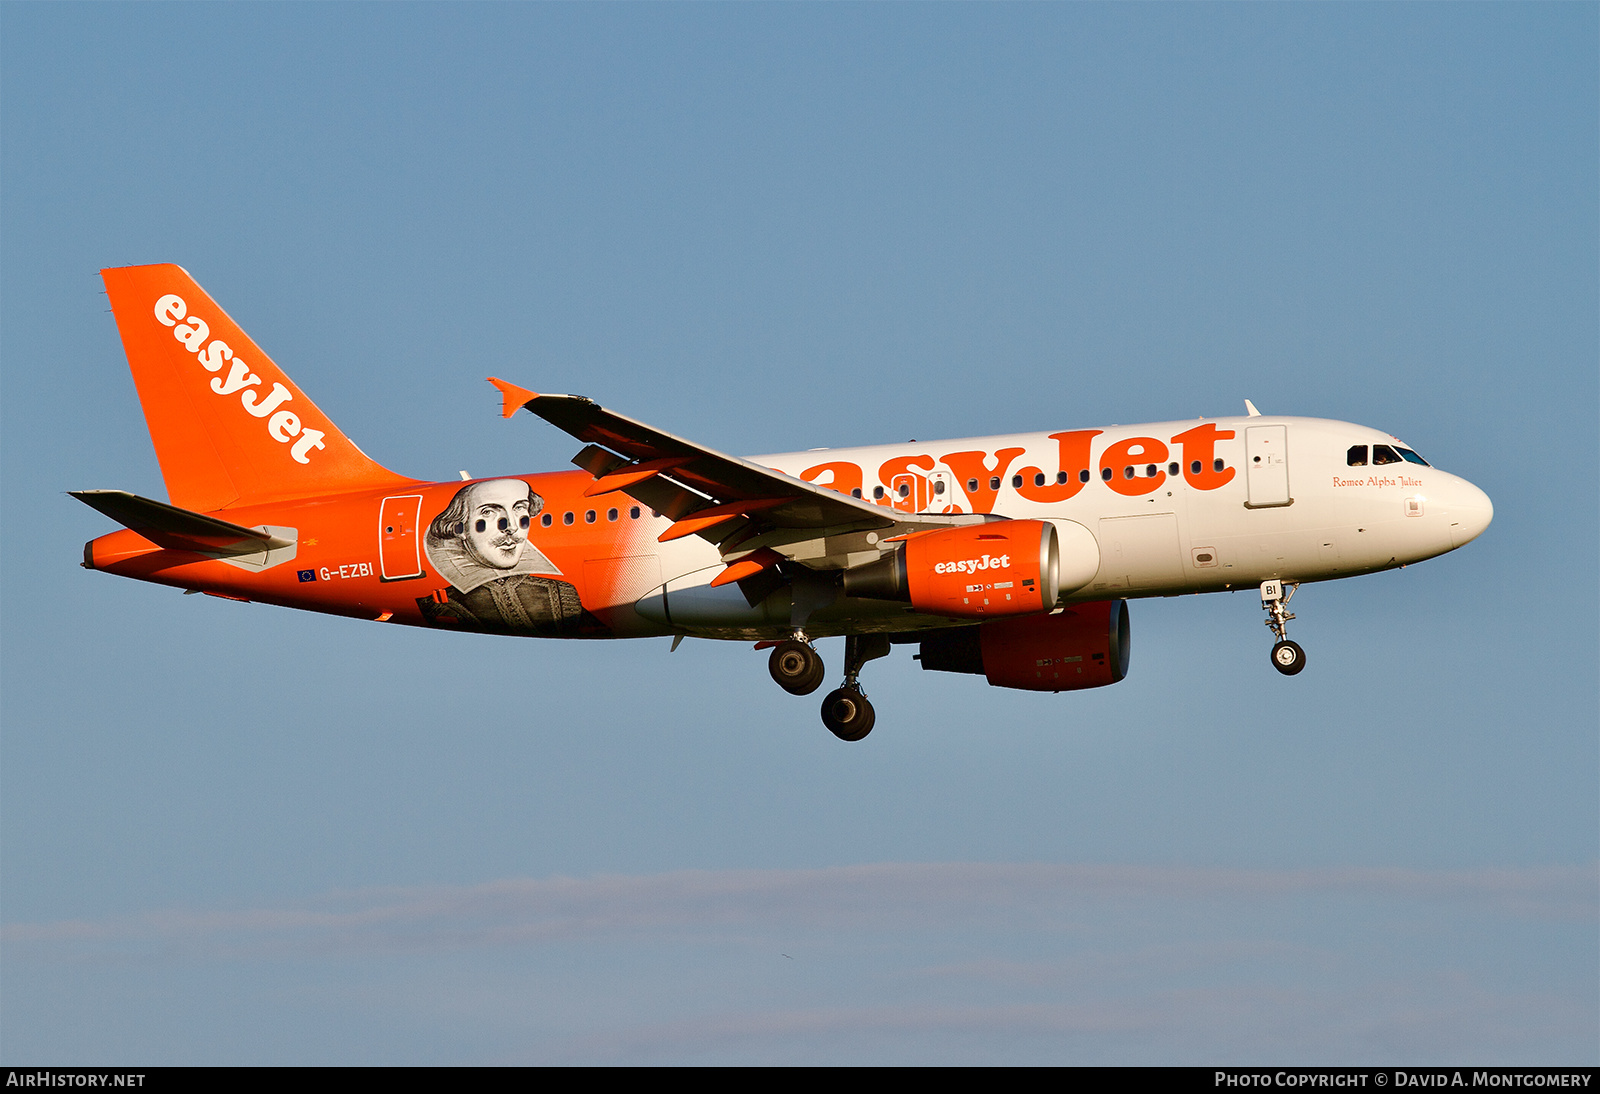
[1288, 658]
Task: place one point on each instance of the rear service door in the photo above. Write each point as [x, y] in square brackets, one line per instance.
[1266, 463]
[399, 545]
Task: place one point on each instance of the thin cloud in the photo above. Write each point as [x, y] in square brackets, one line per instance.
[898, 895]
[1254, 1021]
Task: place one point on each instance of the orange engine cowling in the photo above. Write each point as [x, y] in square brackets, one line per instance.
[1001, 568]
[1085, 646]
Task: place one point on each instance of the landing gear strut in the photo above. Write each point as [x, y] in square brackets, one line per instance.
[1287, 657]
[796, 667]
[845, 711]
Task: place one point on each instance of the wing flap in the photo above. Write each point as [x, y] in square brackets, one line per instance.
[718, 477]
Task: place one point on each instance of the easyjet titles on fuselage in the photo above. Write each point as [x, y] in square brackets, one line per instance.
[1131, 467]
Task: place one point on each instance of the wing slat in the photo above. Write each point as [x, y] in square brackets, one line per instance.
[719, 497]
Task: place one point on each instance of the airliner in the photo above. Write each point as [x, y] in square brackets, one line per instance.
[1010, 557]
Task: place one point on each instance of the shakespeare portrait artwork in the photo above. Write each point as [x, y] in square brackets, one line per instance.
[499, 581]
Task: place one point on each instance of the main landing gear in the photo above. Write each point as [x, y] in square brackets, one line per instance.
[1287, 657]
[796, 667]
[845, 711]
[799, 670]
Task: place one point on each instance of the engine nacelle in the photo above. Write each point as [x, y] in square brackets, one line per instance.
[1002, 568]
[1084, 646]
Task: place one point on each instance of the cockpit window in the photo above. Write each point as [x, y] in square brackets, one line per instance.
[1382, 454]
[1411, 457]
[1357, 456]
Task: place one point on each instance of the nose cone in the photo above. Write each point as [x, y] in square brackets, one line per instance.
[1469, 511]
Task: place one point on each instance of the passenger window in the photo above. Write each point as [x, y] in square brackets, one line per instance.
[1016, 481]
[633, 514]
[1083, 476]
[972, 486]
[1194, 467]
[994, 482]
[938, 486]
[1105, 473]
[877, 492]
[1172, 469]
[611, 514]
[588, 518]
[1217, 465]
[1382, 454]
[1127, 472]
[856, 492]
[1150, 471]
[566, 518]
[1061, 478]
[1411, 457]
[1357, 456]
[545, 520]
[904, 490]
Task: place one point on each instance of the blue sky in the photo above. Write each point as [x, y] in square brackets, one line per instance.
[232, 833]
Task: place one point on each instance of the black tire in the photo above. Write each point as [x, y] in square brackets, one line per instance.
[819, 673]
[847, 714]
[796, 667]
[1288, 658]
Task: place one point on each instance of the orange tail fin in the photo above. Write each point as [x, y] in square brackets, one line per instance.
[230, 428]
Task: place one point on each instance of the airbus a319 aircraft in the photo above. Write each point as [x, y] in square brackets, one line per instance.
[1010, 557]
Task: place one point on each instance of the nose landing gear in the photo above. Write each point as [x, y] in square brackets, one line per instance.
[1287, 657]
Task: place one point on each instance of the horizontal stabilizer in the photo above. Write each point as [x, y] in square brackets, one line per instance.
[178, 529]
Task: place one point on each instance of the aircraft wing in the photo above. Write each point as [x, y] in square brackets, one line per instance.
[739, 505]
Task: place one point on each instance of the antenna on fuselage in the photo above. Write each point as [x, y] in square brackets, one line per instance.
[1250, 408]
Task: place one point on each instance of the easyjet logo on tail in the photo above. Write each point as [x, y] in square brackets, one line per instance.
[282, 425]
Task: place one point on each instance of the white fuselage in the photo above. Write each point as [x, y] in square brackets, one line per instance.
[1144, 510]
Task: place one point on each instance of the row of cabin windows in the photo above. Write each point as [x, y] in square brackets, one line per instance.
[504, 524]
[1356, 457]
[1130, 472]
[588, 518]
[1382, 454]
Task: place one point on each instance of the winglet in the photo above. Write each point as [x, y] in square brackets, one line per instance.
[1248, 405]
[515, 397]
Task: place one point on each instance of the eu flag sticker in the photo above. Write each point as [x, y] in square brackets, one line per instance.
[307, 575]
